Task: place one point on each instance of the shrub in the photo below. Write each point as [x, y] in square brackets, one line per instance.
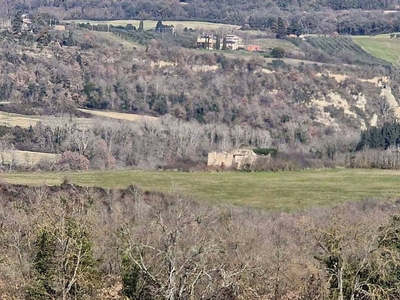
[278, 52]
[265, 151]
[73, 161]
[292, 161]
[185, 165]
[45, 164]
[277, 63]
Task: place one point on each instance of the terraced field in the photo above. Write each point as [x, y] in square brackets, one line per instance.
[343, 47]
[381, 46]
[269, 190]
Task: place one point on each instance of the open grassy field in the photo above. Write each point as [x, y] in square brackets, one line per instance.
[107, 38]
[272, 43]
[269, 190]
[151, 24]
[11, 119]
[381, 46]
[26, 158]
[119, 116]
[24, 121]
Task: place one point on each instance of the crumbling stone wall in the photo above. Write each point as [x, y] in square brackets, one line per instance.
[234, 159]
[220, 159]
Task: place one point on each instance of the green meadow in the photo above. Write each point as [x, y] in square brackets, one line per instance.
[268, 190]
[381, 46]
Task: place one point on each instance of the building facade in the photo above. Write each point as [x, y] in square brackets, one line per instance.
[233, 42]
[207, 42]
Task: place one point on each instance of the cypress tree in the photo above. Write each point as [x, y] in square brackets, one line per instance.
[218, 43]
[16, 23]
[272, 24]
[294, 28]
[281, 30]
[141, 26]
[159, 26]
[70, 39]
[44, 266]
[224, 44]
[130, 275]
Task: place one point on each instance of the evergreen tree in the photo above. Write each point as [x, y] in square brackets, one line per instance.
[159, 26]
[380, 138]
[272, 24]
[141, 26]
[70, 39]
[44, 266]
[43, 37]
[224, 44]
[16, 23]
[278, 52]
[79, 265]
[63, 262]
[218, 43]
[294, 28]
[130, 277]
[129, 27]
[281, 28]
[207, 42]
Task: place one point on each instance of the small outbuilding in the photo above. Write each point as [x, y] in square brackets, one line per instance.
[236, 159]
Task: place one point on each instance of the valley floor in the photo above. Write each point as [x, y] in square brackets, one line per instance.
[265, 190]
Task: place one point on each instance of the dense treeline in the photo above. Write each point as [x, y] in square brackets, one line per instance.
[306, 16]
[171, 144]
[146, 144]
[385, 137]
[352, 22]
[70, 242]
[226, 10]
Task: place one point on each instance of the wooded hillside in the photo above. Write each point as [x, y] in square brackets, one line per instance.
[229, 99]
[312, 16]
